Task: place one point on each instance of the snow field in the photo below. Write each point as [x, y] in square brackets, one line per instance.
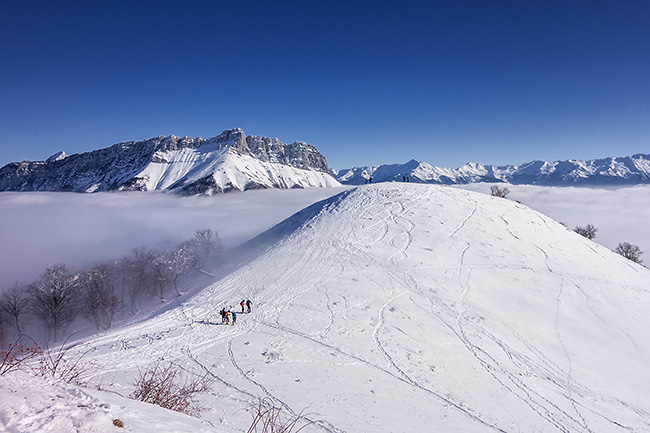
[406, 307]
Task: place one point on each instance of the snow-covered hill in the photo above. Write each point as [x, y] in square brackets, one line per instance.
[230, 161]
[403, 307]
[630, 170]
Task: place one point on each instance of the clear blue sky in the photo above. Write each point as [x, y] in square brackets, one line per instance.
[366, 82]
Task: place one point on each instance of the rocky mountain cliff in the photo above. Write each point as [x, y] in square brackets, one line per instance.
[230, 161]
[598, 172]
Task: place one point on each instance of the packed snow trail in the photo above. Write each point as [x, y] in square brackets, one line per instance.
[398, 307]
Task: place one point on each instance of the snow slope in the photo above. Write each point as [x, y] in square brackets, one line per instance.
[36, 405]
[406, 307]
[224, 169]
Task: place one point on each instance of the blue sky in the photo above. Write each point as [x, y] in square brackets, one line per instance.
[366, 82]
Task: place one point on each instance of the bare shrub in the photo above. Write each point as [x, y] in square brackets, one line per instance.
[61, 365]
[165, 386]
[268, 418]
[629, 251]
[14, 355]
[588, 231]
[499, 192]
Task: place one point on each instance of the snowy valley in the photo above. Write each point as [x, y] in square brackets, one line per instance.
[386, 308]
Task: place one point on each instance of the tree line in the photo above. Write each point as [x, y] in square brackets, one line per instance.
[105, 291]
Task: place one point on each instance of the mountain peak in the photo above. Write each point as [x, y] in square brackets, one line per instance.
[606, 171]
[57, 156]
[229, 161]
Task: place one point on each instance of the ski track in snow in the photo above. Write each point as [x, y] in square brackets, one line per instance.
[541, 405]
[534, 400]
[320, 424]
[375, 336]
[467, 217]
[332, 317]
[406, 380]
[569, 369]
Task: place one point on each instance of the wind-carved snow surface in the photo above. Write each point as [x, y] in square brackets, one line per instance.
[405, 307]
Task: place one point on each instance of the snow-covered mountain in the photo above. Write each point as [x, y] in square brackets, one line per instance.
[629, 170]
[394, 308]
[230, 161]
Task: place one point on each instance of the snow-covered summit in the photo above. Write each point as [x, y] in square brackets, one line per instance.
[405, 307]
[230, 161]
[607, 171]
[57, 156]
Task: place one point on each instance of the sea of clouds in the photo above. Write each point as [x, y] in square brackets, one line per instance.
[620, 214]
[39, 229]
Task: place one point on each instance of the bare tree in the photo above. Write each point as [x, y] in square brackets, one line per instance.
[162, 278]
[629, 251]
[3, 327]
[137, 274]
[55, 297]
[588, 231]
[205, 245]
[499, 192]
[179, 263]
[14, 304]
[99, 296]
[170, 267]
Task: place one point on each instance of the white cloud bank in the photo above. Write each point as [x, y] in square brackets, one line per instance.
[40, 229]
[620, 214]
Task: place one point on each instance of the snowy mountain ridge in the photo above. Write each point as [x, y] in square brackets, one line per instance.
[394, 307]
[230, 161]
[629, 170]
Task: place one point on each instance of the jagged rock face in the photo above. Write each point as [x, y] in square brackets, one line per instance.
[109, 167]
[608, 171]
[192, 162]
[297, 154]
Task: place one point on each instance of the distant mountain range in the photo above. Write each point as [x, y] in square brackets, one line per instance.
[629, 170]
[233, 161]
[228, 162]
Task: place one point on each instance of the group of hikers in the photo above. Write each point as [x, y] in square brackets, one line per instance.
[230, 317]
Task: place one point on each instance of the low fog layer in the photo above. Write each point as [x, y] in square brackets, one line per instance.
[41, 229]
[620, 214]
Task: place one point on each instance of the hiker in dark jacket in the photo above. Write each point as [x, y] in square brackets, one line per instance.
[248, 305]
